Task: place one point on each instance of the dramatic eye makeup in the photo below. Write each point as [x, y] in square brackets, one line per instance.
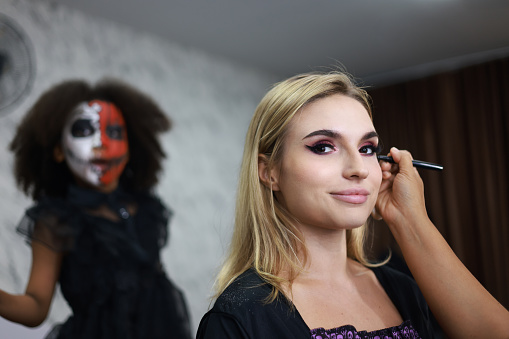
[370, 149]
[325, 146]
[322, 147]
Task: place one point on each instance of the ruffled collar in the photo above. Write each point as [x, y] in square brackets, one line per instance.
[116, 201]
[85, 197]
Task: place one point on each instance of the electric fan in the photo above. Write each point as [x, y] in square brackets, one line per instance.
[17, 66]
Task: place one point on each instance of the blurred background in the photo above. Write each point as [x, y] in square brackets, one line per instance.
[438, 71]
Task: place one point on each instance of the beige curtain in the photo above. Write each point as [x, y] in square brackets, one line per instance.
[459, 119]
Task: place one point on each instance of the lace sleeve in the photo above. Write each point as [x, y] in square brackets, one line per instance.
[49, 225]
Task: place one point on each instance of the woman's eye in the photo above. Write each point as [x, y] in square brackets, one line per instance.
[321, 148]
[82, 128]
[369, 149]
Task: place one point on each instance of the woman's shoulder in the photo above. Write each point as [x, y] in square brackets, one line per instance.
[408, 299]
[244, 308]
[248, 290]
[394, 278]
[399, 285]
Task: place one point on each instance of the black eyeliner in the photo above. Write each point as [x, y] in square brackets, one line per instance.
[416, 163]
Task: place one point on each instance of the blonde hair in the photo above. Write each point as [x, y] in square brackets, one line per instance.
[265, 236]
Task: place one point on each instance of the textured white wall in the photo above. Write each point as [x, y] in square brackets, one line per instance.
[210, 101]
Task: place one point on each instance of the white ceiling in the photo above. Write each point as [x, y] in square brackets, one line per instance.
[377, 40]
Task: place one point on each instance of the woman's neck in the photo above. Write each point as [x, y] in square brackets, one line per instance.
[326, 254]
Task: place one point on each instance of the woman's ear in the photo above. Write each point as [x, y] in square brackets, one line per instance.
[58, 153]
[267, 177]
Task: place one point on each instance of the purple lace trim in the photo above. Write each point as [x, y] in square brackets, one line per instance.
[403, 331]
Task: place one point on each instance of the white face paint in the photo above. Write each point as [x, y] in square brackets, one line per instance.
[95, 143]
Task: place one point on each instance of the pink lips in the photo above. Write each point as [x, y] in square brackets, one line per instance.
[352, 196]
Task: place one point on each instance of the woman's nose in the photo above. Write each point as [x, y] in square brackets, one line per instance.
[355, 167]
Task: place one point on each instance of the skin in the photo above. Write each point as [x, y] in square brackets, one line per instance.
[330, 189]
[462, 306]
[334, 290]
[329, 176]
[94, 145]
[31, 308]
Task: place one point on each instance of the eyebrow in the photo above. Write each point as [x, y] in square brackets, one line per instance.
[333, 134]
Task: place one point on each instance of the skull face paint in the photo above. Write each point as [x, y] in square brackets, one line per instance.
[95, 143]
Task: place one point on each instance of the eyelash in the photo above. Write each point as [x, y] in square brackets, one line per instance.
[374, 149]
[316, 148]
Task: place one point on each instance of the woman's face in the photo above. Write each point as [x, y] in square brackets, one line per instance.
[329, 175]
[95, 144]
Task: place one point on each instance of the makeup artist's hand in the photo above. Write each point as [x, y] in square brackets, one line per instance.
[401, 197]
[462, 306]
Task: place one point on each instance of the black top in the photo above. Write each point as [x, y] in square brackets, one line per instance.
[111, 274]
[240, 312]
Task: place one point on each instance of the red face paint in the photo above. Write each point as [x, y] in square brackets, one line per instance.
[95, 143]
[114, 145]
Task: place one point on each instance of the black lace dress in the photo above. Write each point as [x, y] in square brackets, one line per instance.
[111, 274]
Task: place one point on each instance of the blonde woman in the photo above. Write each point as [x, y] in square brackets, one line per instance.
[296, 267]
